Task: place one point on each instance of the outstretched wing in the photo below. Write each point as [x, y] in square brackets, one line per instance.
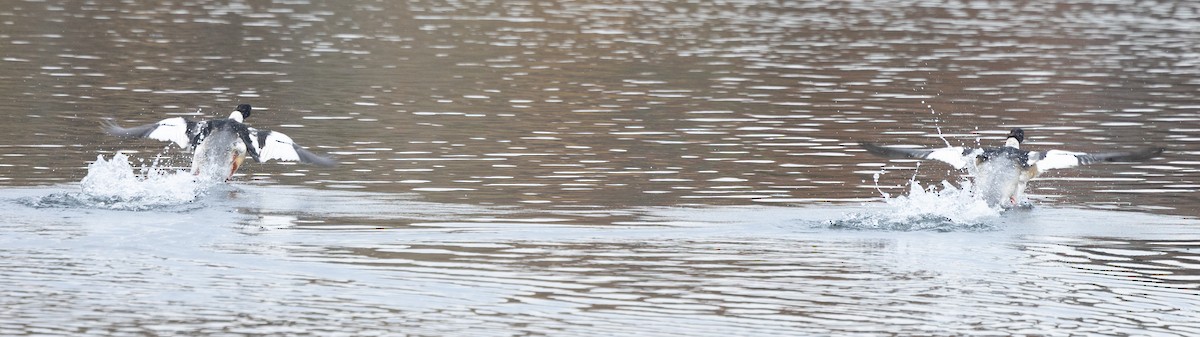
[179, 130]
[278, 146]
[1056, 159]
[956, 156]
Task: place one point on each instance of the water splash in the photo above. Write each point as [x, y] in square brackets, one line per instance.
[948, 208]
[115, 184]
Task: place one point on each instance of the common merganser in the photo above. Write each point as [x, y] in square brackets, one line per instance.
[221, 144]
[1001, 173]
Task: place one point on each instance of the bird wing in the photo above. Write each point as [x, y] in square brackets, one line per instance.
[956, 156]
[1057, 159]
[179, 130]
[278, 146]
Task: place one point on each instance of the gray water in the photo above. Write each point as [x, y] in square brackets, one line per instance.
[599, 168]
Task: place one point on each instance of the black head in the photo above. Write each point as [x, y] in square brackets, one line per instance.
[244, 109]
[1018, 134]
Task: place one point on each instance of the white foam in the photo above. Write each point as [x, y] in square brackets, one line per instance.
[948, 208]
[957, 204]
[115, 184]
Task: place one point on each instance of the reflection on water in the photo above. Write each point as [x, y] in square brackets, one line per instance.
[589, 167]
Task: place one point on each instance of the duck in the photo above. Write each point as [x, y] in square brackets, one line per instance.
[1002, 173]
[220, 146]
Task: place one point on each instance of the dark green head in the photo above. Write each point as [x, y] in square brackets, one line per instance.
[1018, 134]
[244, 109]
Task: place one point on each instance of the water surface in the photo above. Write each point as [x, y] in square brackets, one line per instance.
[600, 167]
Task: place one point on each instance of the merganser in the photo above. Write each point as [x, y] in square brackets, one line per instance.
[1001, 173]
[221, 144]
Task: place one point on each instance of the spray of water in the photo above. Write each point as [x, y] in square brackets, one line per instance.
[115, 184]
[935, 208]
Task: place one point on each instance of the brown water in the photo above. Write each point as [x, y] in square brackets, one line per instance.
[610, 167]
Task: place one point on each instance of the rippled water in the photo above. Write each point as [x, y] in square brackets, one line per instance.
[608, 167]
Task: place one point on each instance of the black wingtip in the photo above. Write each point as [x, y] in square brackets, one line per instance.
[113, 129]
[881, 151]
[1144, 154]
[107, 125]
[313, 158]
[1136, 156]
[1148, 153]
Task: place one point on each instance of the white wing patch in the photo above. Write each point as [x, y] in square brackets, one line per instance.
[1057, 159]
[171, 130]
[275, 146]
[950, 155]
